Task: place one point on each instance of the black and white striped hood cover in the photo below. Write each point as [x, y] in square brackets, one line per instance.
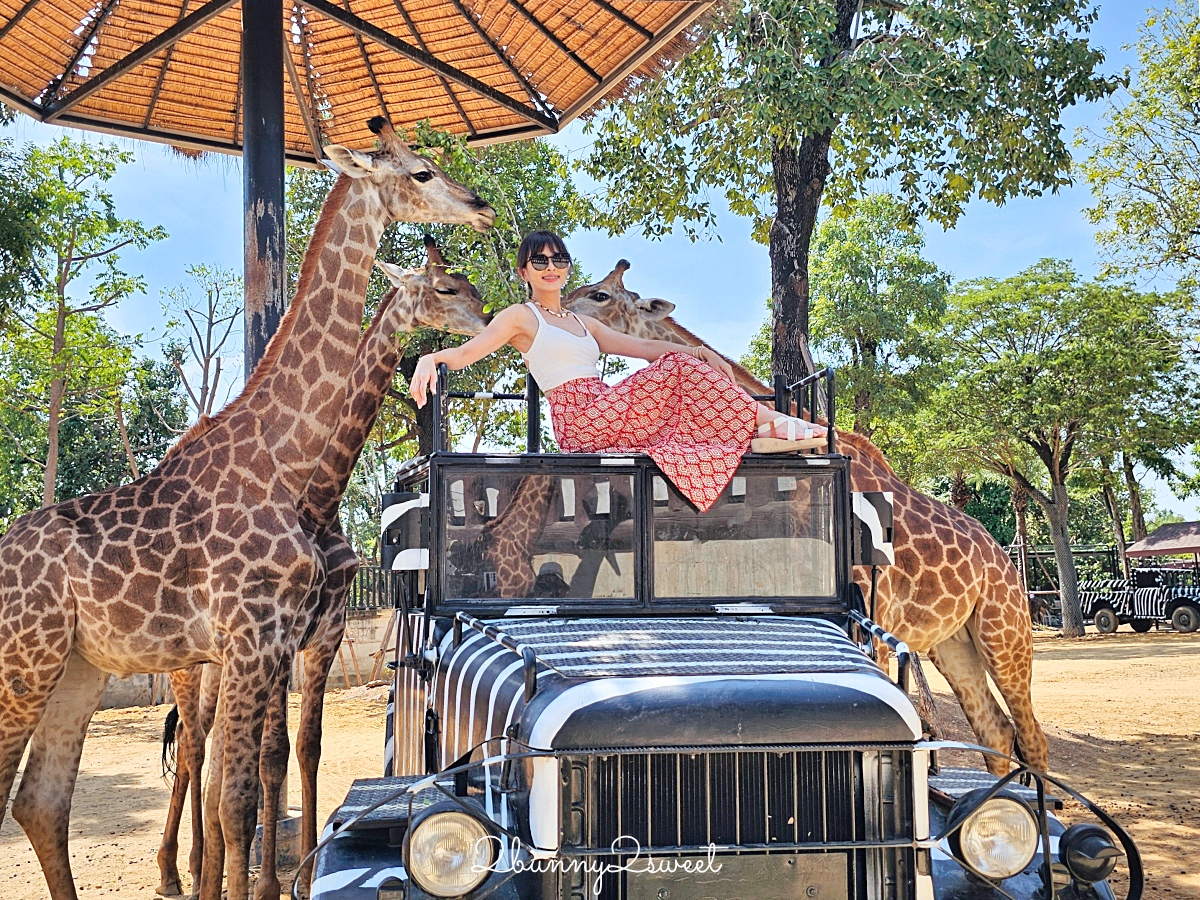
[751, 680]
[632, 683]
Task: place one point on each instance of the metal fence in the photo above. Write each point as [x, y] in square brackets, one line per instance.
[375, 588]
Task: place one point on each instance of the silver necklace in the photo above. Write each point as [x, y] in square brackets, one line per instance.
[562, 314]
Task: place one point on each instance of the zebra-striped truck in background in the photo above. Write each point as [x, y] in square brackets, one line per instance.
[1151, 595]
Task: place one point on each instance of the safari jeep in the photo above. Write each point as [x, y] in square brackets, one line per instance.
[602, 693]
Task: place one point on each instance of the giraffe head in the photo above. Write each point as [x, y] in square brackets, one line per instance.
[610, 302]
[411, 186]
[433, 297]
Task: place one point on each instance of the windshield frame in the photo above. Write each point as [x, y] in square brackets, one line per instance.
[431, 473]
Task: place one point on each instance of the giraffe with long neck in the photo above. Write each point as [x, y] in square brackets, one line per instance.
[953, 592]
[428, 298]
[205, 558]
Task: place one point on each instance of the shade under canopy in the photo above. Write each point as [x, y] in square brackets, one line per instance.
[169, 70]
[1168, 540]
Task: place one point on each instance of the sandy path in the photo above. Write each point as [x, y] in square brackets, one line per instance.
[1122, 713]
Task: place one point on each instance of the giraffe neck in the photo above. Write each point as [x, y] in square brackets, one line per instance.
[374, 367]
[297, 389]
[669, 330]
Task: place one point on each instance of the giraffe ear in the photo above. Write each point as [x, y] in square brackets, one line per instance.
[354, 163]
[394, 273]
[655, 308]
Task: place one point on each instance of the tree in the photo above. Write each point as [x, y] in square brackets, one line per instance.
[119, 415]
[76, 265]
[1045, 365]
[20, 205]
[784, 99]
[874, 298]
[206, 325]
[1144, 169]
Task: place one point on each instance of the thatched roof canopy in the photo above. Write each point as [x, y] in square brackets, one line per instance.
[168, 70]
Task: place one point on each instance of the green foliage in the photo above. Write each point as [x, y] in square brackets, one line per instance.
[100, 374]
[874, 299]
[60, 361]
[991, 504]
[20, 206]
[1145, 168]
[947, 101]
[1045, 374]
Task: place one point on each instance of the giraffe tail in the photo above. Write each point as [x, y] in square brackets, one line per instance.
[926, 708]
[170, 744]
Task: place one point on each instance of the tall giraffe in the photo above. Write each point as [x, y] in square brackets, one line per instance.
[205, 558]
[428, 298]
[953, 592]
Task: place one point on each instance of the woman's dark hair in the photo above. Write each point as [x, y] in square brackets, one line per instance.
[534, 242]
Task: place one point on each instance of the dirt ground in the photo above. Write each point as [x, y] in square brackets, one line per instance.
[1122, 713]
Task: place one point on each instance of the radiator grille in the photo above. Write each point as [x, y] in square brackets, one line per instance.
[748, 801]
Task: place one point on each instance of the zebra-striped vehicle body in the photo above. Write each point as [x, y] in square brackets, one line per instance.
[602, 694]
[1151, 595]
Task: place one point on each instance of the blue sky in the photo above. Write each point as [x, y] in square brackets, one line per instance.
[719, 285]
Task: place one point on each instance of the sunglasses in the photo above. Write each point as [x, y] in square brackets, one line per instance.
[541, 261]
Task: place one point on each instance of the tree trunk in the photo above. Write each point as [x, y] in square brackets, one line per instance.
[1068, 578]
[1114, 513]
[960, 491]
[54, 413]
[1136, 515]
[799, 175]
[799, 182]
[1020, 507]
[133, 466]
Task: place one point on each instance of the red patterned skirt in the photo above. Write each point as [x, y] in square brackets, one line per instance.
[688, 417]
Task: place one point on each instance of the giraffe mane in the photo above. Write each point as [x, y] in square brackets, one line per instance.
[332, 207]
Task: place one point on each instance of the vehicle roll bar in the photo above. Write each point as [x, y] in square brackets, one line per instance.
[532, 399]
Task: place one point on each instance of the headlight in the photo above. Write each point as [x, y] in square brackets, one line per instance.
[449, 853]
[997, 838]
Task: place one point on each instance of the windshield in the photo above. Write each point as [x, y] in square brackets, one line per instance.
[546, 536]
[766, 536]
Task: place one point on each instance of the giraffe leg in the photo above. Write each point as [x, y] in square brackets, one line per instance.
[272, 769]
[210, 688]
[960, 662]
[317, 662]
[1004, 638]
[213, 863]
[43, 802]
[246, 687]
[185, 685]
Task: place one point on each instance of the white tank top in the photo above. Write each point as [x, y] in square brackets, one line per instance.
[556, 356]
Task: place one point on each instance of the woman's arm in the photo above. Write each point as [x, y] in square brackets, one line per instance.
[508, 324]
[621, 344]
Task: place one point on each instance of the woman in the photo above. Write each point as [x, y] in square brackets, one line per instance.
[684, 410]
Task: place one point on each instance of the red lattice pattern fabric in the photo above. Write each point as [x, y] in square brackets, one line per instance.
[689, 418]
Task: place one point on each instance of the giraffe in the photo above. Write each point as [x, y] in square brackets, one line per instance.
[203, 559]
[952, 593]
[428, 298]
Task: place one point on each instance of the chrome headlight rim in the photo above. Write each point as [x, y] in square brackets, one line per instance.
[976, 802]
[463, 812]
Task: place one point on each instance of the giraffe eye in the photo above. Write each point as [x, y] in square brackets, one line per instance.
[423, 176]
[445, 290]
[601, 297]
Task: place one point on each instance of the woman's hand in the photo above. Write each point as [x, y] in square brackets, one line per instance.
[424, 379]
[717, 361]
